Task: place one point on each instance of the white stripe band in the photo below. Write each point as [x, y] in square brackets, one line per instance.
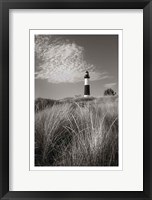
[86, 81]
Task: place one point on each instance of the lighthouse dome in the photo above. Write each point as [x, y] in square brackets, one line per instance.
[87, 75]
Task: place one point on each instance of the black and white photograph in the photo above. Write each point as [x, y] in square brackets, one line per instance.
[76, 100]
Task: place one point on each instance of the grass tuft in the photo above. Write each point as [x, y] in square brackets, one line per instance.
[77, 133]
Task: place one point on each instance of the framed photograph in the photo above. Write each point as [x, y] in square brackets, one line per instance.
[75, 99]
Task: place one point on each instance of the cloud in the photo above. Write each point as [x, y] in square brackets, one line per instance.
[62, 61]
[110, 85]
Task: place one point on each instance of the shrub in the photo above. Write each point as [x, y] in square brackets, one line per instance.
[109, 92]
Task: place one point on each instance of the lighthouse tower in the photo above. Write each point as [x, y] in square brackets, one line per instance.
[86, 85]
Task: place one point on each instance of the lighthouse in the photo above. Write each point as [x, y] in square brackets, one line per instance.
[86, 85]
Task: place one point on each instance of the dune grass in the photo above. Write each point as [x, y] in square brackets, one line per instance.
[77, 134]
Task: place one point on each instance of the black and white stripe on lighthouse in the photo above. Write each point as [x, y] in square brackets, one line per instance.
[86, 85]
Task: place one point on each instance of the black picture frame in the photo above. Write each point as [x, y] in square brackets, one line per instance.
[5, 5]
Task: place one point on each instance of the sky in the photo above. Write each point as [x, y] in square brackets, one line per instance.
[61, 62]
